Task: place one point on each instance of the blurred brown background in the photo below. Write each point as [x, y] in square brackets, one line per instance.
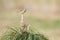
[44, 14]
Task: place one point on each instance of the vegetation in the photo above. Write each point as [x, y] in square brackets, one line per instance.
[15, 34]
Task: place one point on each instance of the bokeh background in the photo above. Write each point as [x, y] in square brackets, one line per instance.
[42, 15]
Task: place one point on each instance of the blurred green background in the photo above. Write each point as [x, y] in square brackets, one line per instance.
[42, 15]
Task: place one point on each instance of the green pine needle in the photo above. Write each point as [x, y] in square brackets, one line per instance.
[13, 34]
